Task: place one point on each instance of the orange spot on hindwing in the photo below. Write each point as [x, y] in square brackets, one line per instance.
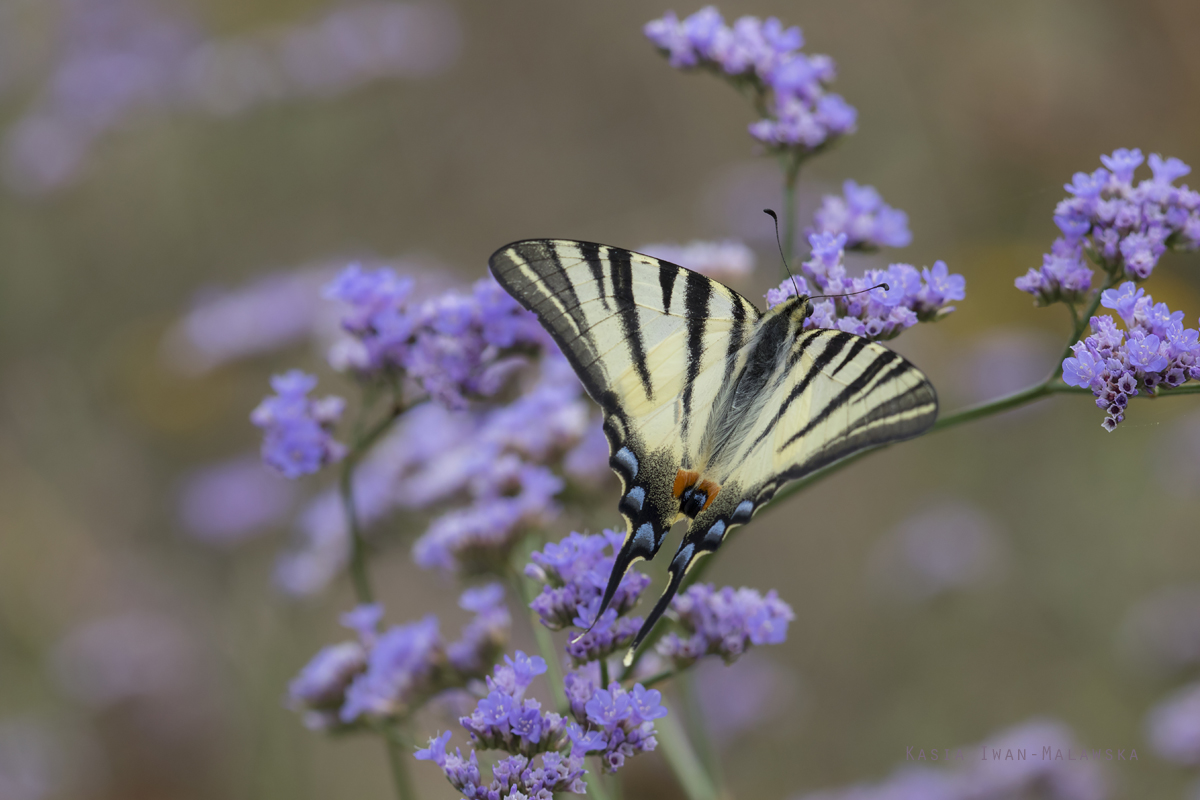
[694, 494]
[684, 480]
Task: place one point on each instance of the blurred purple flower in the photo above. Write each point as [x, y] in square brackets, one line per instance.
[724, 260]
[34, 763]
[948, 547]
[1162, 631]
[296, 438]
[749, 693]
[764, 56]
[228, 503]
[861, 214]
[723, 622]
[137, 654]
[996, 776]
[877, 314]
[391, 674]
[1003, 361]
[1173, 726]
[1116, 365]
[272, 312]
[124, 58]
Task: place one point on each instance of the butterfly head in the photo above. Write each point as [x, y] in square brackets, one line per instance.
[799, 308]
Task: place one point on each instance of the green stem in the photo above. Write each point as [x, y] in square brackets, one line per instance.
[604, 673]
[682, 758]
[545, 643]
[360, 577]
[791, 176]
[596, 783]
[698, 731]
[397, 749]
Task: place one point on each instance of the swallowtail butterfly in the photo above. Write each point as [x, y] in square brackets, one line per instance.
[710, 405]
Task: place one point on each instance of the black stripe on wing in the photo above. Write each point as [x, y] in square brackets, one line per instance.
[620, 270]
[697, 294]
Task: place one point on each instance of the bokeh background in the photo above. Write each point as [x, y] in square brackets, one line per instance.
[1027, 567]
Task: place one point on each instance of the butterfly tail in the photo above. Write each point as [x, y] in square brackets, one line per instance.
[643, 544]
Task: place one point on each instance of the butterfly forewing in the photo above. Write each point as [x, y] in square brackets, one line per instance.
[650, 341]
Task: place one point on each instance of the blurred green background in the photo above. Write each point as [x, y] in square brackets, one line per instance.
[559, 119]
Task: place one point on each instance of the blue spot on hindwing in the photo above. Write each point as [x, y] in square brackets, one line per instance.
[713, 537]
[741, 514]
[683, 556]
[644, 538]
[635, 498]
[628, 460]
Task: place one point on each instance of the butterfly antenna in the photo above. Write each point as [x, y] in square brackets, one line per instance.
[779, 244]
[883, 286]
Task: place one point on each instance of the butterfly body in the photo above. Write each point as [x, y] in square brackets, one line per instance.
[710, 405]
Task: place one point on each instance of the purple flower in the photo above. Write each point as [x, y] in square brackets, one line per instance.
[399, 674]
[124, 59]
[231, 502]
[1173, 726]
[1123, 227]
[949, 546]
[575, 573]
[764, 55]
[1123, 162]
[878, 314]
[724, 622]
[1063, 276]
[320, 687]
[513, 777]
[613, 723]
[505, 720]
[1083, 369]
[452, 345]
[1143, 352]
[1156, 349]
[296, 438]
[862, 215]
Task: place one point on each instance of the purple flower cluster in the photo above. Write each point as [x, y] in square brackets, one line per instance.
[1123, 228]
[389, 675]
[507, 720]
[790, 86]
[513, 778]
[574, 573]
[296, 428]
[1155, 349]
[614, 723]
[912, 295]
[720, 260]
[455, 346]
[123, 58]
[860, 213]
[490, 465]
[724, 622]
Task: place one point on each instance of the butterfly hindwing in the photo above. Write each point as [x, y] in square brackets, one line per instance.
[831, 394]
